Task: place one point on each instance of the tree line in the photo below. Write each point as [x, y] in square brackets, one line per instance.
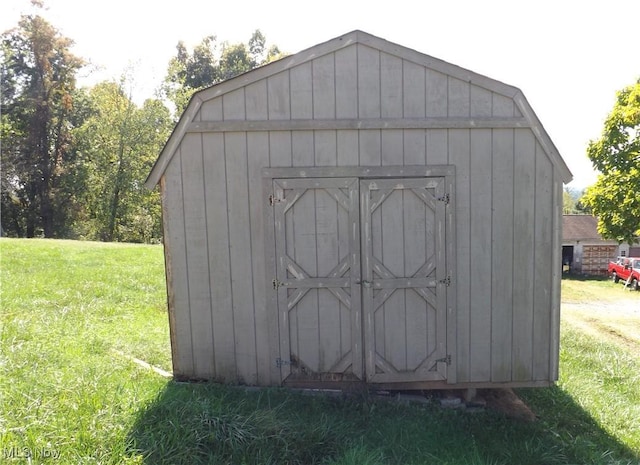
[74, 159]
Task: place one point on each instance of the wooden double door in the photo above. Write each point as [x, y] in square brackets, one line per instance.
[361, 278]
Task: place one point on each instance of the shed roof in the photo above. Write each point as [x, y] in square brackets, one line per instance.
[333, 45]
[580, 227]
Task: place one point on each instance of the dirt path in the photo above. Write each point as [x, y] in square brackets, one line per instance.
[617, 321]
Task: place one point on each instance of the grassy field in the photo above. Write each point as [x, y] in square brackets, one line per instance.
[73, 315]
[580, 289]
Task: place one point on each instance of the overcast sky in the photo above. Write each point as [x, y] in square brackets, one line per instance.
[569, 58]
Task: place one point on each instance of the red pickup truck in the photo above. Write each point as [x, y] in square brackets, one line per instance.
[626, 269]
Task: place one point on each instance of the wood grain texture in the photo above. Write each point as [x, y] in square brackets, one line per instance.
[502, 255]
[215, 200]
[459, 156]
[543, 253]
[197, 255]
[258, 157]
[176, 270]
[523, 255]
[478, 357]
[240, 254]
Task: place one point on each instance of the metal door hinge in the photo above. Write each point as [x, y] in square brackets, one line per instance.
[273, 200]
[445, 198]
[277, 284]
[446, 281]
[446, 359]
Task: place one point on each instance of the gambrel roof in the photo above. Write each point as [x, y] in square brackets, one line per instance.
[525, 117]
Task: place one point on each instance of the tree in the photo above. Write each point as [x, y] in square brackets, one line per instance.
[206, 66]
[38, 75]
[569, 202]
[615, 197]
[119, 143]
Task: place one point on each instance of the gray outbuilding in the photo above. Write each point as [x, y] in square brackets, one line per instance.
[360, 212]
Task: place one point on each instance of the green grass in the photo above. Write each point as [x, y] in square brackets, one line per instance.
[67, 307]
[577, 288]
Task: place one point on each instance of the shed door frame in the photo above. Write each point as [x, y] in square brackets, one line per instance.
[279, 367]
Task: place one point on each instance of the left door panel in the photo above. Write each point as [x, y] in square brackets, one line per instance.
[317, 238]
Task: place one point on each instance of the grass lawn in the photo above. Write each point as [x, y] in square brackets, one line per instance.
[73, 313]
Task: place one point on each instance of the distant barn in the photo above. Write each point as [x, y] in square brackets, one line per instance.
[585, 251]
[360, 212]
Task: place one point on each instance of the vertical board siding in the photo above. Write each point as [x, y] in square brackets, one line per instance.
[302, 145]
[369, 104]
[324, 91]
[414, 90]
[370, 149]
[241, 256]
[458, 97]
[368, 82]
[258, 158]
[459, 155]
[197, 256]
[391, 92]
[502, 255]
[523, 255]
[414, 106]
[478, 326]
[502, 106]
[346, 82]
[556, 276]
[280, 149]
[506, 298]
[233, 107]
[325, 148]
[437, 147]
[347, 148]
[279, 97]
[392, 144]
[305, 341]
[436, 93]
[256, 101]
[543, 266]
[211, 110]
[481, 102]
[176, 264]
[301, 92]
[329, 218]
[218, 242]
[415, 149]
[391, 255]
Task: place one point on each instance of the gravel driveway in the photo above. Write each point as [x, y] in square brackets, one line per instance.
[618, 320]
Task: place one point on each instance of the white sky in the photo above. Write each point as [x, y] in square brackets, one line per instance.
[569, 58]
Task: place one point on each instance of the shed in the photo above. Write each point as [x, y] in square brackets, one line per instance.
[360, 212]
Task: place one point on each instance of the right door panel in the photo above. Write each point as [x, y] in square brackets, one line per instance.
[404, 279]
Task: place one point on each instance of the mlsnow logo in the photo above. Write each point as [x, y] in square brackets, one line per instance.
[30, 453]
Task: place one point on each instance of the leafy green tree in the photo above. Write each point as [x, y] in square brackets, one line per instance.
[119, 142]
[38, 74]
[569, 203]
[615, 197]
[206, 65]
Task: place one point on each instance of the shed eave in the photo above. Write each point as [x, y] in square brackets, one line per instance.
[543, 137]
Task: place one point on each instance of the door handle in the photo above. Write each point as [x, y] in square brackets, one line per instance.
[365, 283]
